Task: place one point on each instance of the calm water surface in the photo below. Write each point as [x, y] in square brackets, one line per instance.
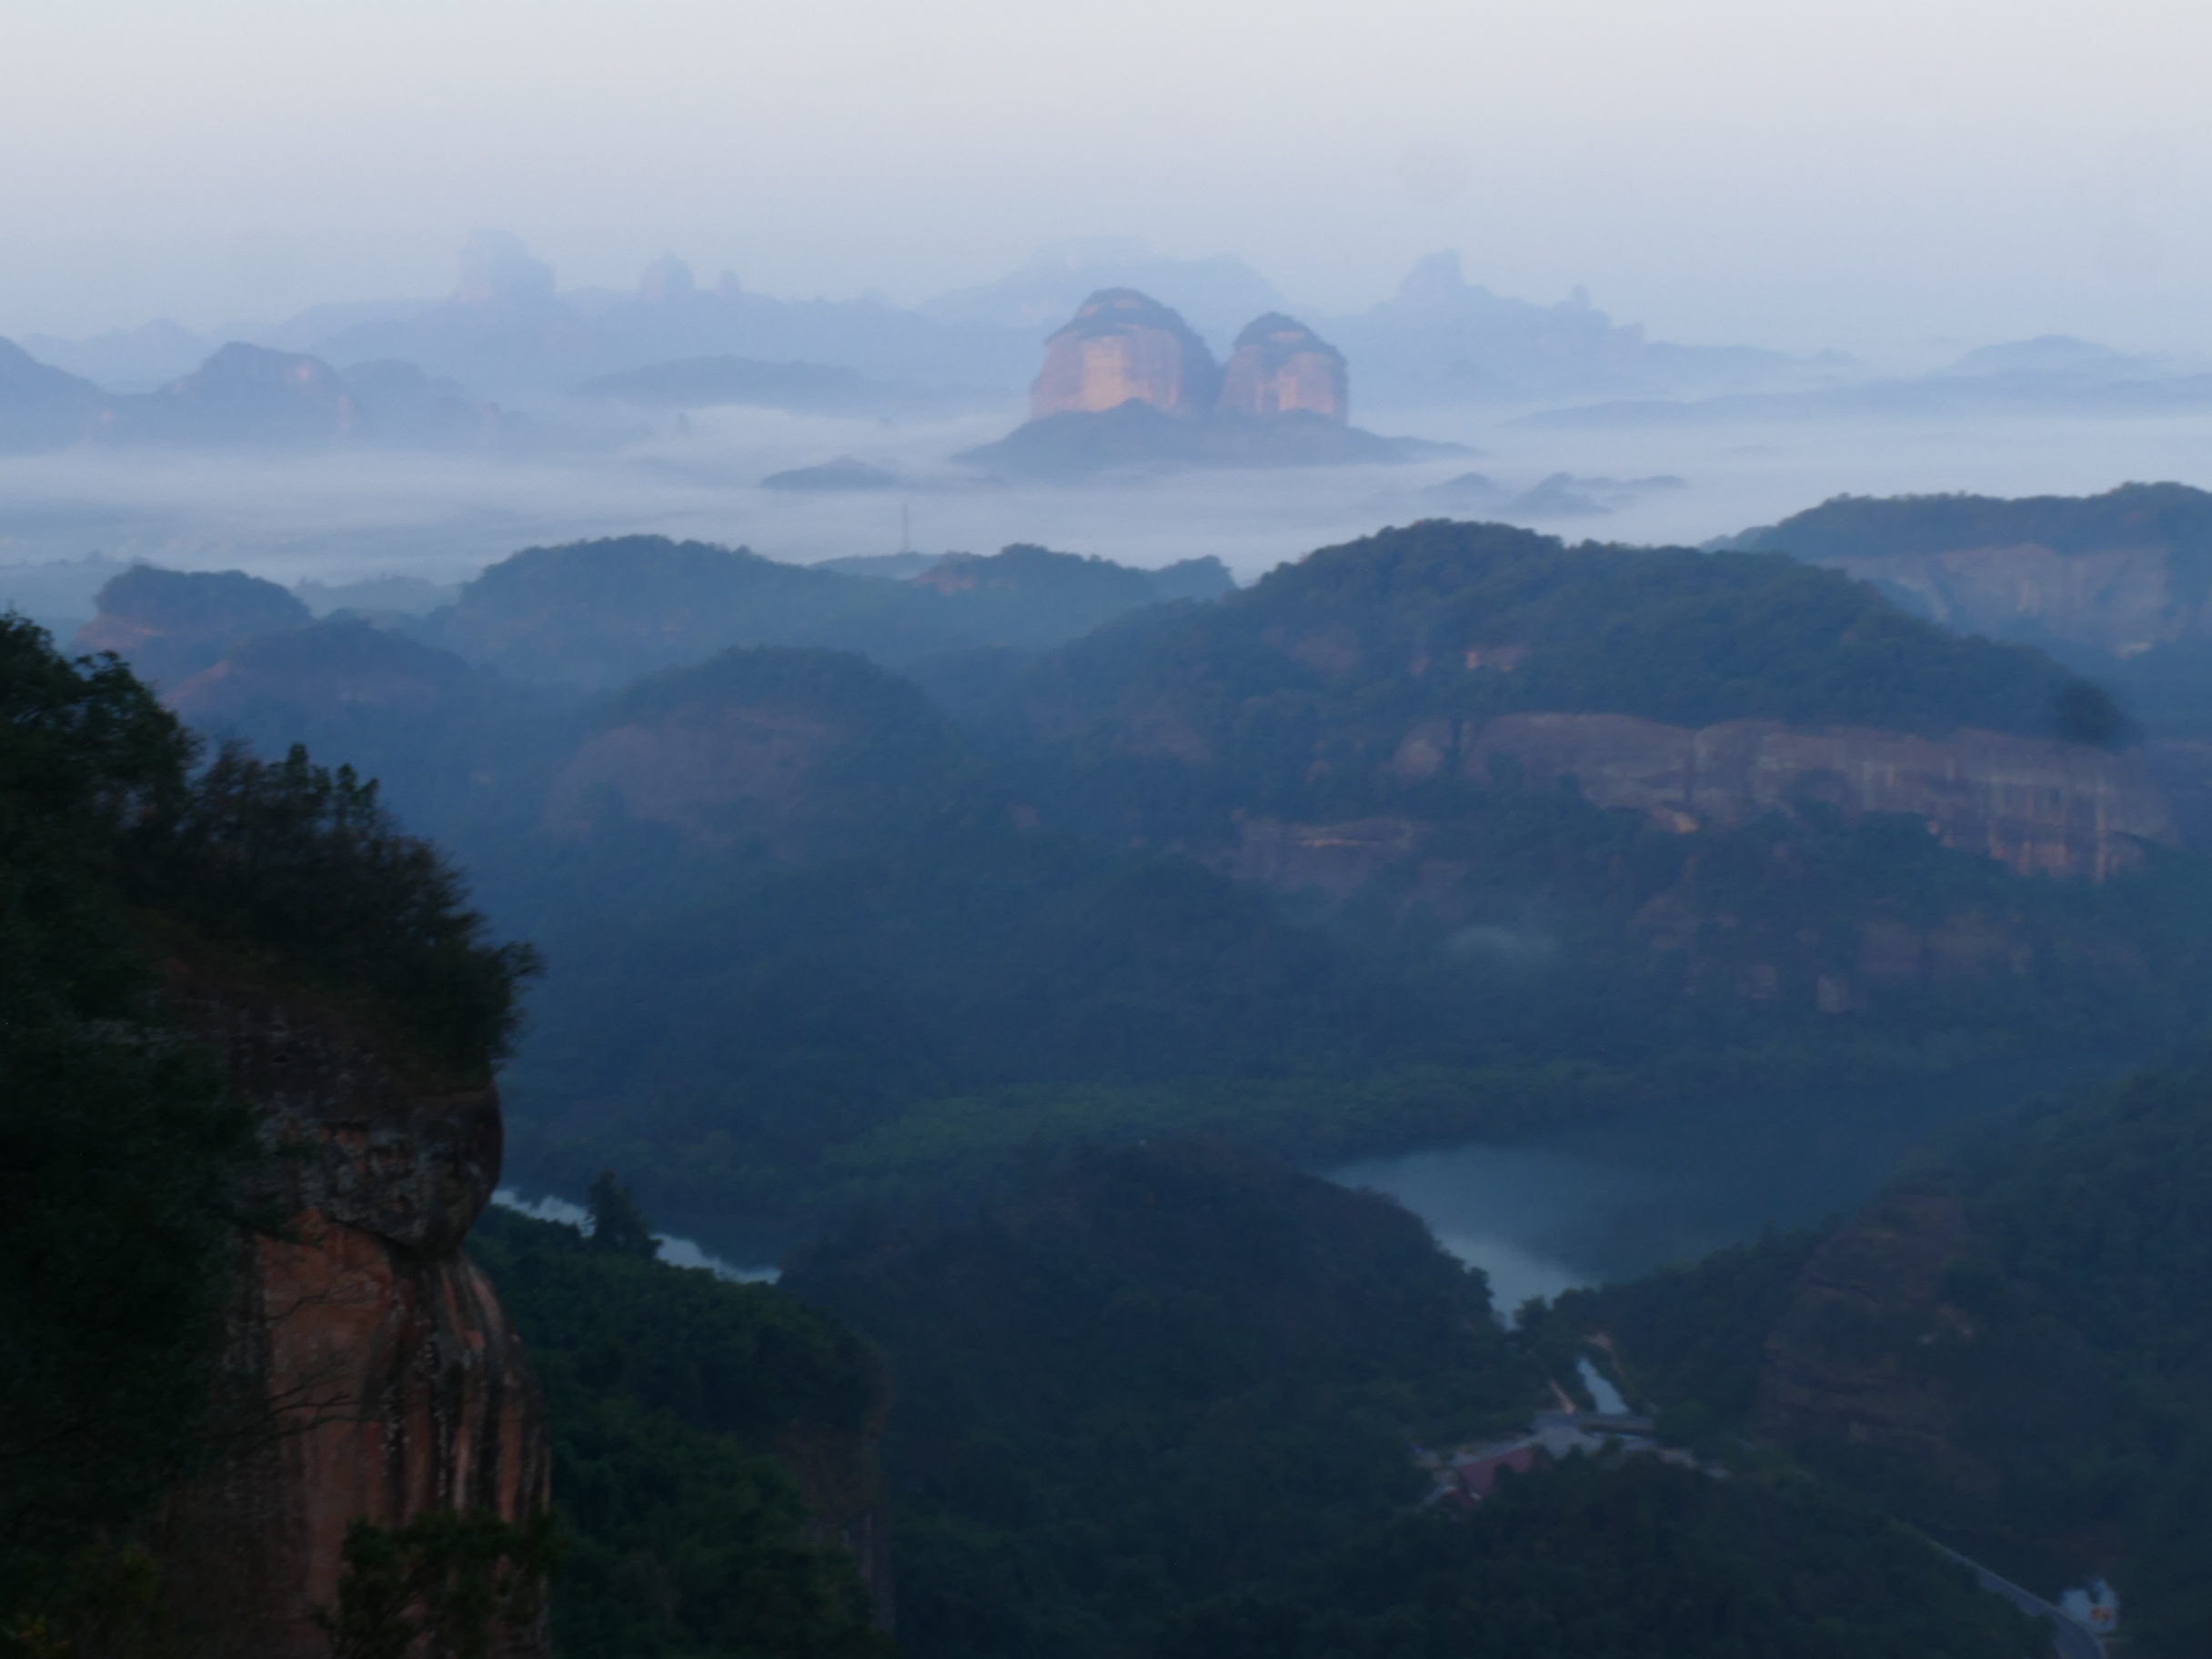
[1612, 1200]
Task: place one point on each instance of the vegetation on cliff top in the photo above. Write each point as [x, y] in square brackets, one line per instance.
[121, 1162]
[126, 1169]
[1352, 644]
[2171, 517]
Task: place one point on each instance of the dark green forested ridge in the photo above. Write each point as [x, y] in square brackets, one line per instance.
[2044, 1406]
[668, 1392]
[1163, 1401]
[2172, 517]
[602, 612]
[1639, 1561]
[1152, 1374]
[123, 1164]
[2085, 1388]
[1383, 628]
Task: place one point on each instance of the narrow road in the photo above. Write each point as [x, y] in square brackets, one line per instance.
[2070, 1639]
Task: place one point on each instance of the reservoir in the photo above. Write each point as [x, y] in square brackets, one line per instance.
[1609, 1201]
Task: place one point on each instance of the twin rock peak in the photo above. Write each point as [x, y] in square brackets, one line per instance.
[1125, 346]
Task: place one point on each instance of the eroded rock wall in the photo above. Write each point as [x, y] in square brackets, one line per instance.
[2037, 805]
[1279, 367]
[1122, 348]
[386, 1381]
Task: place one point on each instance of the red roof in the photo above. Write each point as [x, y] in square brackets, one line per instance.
[1476, 1479]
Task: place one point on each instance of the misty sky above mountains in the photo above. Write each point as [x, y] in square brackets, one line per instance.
[1797, 176]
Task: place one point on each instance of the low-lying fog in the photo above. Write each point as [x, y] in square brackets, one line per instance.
[344, 517]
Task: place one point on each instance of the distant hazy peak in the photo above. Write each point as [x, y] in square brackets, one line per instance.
[1436, 278]
[667, 280]
[1212, 292]
[497, 269]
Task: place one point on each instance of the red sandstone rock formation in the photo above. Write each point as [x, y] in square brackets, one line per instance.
[2032, 803]
[389, 1381]
[1124, 347]
[1281, 366]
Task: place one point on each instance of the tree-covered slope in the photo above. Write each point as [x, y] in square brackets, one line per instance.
[1150, 1376]
[1469, 621]
[2012, 1348]
[713, 1445]
[1636, 1560]
[598, 613]
[2171, 518]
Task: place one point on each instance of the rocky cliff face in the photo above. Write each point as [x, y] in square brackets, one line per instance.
[1123, 348]
[2041, 806]
[388, 1382]
[1279, 367]
[2119, 599]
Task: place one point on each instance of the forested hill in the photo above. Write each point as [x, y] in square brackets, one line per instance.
[2168, 517]
[1472, 620]
[2010, 1349]
[602, 612]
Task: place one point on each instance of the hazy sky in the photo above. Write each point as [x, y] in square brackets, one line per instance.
[1785, 171]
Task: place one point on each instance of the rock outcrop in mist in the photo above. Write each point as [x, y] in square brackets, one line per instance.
[1124, 347]
[1129, 384]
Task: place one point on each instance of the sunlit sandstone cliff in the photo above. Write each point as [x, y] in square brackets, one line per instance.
[389, 1382]
[1279, 367]
[1125, 346]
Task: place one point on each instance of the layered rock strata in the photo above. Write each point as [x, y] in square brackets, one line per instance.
[386, 1381]
[2040, 806]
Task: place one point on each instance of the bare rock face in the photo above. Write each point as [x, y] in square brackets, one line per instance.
[1124, 347]
[2035, 804]
[388, 1382]
[1279, 367]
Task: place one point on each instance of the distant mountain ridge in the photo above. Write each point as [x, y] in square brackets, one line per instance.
[247, 396]
[507, 331]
